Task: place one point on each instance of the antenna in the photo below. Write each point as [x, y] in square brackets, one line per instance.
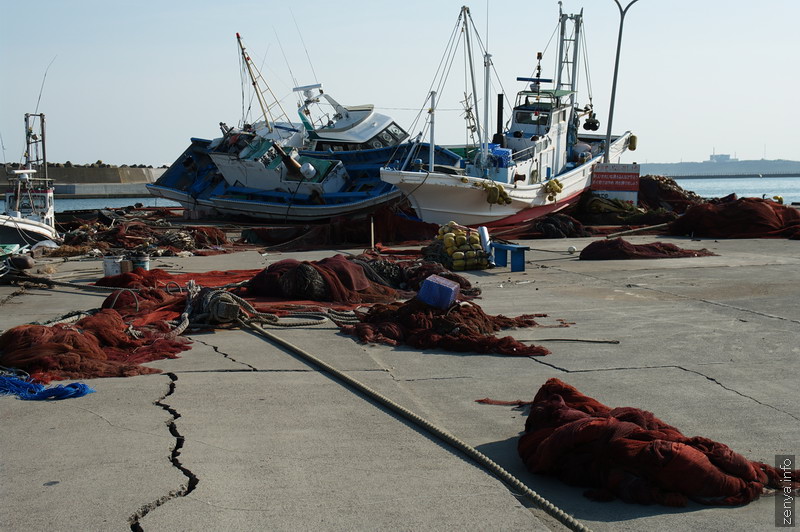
[304, 45]
[41, 89]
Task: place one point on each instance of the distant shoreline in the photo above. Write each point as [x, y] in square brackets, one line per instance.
[734, 176]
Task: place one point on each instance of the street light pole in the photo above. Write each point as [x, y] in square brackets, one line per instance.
[622, 13]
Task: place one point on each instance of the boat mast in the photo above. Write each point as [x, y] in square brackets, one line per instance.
[255, 76]
[33, 142]
[466, 15]
[487, 63]
[432, 150]
[564, 61]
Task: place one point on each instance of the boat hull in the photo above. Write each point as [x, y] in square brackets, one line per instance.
[282, 212]
[439, 198]
[24, 232]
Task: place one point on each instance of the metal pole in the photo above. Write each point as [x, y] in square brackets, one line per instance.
[432, 148]
[622, 13]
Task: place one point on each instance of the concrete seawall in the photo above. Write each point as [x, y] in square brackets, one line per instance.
[102, 181]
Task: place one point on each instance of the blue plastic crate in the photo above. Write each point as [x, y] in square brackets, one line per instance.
[438, 292]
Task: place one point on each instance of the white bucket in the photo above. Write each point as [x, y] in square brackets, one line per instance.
[140, 261]
[111, 266]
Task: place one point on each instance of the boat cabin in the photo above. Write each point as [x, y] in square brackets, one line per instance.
[538, 132]
[30, 197]
[339, 128]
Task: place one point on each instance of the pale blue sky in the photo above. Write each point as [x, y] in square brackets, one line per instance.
[132, 82]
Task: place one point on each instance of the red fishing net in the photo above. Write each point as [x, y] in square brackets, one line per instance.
[106, 344]
[631, 454]
[463, 327]
[619, 249]
[96, 346]
[740, 218]
[335, 279]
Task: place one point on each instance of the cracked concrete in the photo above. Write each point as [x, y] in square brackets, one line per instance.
[265, 441]
[191, 479]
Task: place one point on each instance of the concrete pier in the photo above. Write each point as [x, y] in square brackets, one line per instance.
[267, 442]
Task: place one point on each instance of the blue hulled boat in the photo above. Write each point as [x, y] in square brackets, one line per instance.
[327, 164]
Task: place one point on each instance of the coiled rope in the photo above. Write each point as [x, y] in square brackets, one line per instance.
[421, 422]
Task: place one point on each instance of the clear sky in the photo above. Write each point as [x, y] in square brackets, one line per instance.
[132, 82]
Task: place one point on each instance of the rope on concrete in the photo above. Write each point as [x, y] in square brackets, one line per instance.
[436, 431]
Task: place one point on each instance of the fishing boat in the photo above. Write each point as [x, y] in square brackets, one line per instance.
[252, 170]
[29, 215]
[540, 163]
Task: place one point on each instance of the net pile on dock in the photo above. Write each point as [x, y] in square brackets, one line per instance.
[334, 279]
[463, 327]
[739, 218]
[134, 235]
[619, 249]
[662, 192]
[630, 454]
[99, 345]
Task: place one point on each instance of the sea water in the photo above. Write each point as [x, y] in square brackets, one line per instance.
[750, 187]
[745, 187]
[106, 203]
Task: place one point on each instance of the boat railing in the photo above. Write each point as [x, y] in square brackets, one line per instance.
[527, 153]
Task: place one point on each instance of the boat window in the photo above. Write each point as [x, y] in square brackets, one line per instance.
[535, 118]
[397, 131]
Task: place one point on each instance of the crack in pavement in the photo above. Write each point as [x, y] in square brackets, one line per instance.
[226, 355]
[670, 366]
[185, 489]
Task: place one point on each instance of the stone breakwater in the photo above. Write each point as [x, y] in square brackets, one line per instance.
[100, 180]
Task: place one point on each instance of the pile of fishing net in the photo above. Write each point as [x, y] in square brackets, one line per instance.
[99, 345]
[739, 218]
[135, 235]
[619, 249]
[661, 192]
[334, 279]
[631, 454]
[555, 225]
[134, 327]
[463, 327]
[361, 279]
[387, 224]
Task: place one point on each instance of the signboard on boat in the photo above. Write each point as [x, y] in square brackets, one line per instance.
[616, 181]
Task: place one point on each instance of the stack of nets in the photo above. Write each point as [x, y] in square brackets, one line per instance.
[619, 249]
[463, 327]
[739, 218]
[100, 345]
[631, 454]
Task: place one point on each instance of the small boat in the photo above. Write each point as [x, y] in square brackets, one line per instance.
[540, 163]
[29, 215]
[252, 170]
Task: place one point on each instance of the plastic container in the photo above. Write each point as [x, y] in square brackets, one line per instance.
[438, 292]
[141, 261]
[111, 265]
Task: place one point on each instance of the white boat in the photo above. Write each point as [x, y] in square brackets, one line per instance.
[539, 164]
[29, 215]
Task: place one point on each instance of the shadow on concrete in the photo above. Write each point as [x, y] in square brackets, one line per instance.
[570, 498]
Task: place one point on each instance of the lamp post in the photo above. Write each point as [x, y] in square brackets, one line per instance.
[622, 13]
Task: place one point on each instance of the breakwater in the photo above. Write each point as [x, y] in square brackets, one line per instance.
[100, 180]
